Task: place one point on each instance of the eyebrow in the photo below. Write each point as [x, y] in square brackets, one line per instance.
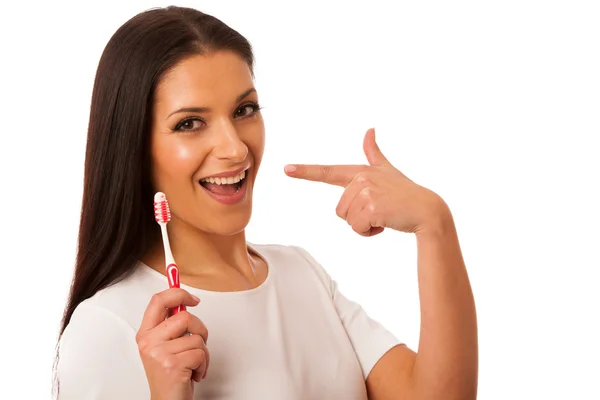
[204, 109]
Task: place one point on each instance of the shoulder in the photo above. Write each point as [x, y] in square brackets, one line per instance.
[109, 318]
[92, 331]
[125, 300]
[97, 352]
[274, 250]
[100, 322]
[97, 355]
[289, 255]
[294, 257]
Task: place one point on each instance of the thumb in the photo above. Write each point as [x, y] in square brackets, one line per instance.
[372, 151]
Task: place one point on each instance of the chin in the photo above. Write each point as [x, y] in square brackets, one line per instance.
[224, 220]
[227, 225]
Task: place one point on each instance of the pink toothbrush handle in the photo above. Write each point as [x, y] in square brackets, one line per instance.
[173, 276]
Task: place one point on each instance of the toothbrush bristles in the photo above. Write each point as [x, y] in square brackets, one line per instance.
[162, 213]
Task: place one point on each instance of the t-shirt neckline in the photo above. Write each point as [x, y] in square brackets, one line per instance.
[193, 290]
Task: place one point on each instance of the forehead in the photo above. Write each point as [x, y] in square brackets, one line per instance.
[212, 77]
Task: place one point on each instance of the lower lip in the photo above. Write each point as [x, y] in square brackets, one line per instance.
[231, 199]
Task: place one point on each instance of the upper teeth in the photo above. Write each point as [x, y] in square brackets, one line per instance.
[225, 181]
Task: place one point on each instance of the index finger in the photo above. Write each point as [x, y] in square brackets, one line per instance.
[339, 175]
[158, 308]
[179, 324]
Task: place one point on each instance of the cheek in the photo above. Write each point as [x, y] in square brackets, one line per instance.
[176, 159]
[256, 144]
[182, 153]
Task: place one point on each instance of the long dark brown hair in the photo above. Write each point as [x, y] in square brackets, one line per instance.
[117, 221]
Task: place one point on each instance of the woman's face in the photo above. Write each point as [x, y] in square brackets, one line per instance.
[207, 142]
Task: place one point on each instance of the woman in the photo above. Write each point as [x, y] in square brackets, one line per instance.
[174, 109]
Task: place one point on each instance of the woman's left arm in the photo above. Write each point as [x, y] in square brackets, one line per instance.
[376, 197]
[446, 364]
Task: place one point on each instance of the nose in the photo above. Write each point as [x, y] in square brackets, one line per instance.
[228, 145]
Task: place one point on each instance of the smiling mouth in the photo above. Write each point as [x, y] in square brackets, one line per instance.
[225, 186]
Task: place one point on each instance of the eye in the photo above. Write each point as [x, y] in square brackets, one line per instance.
[247, 110]
[189, 125]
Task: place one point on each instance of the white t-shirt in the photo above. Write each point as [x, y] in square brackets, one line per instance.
[293, 337]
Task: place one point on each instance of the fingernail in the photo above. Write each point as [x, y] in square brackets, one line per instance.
[196, 298]
[289, 168]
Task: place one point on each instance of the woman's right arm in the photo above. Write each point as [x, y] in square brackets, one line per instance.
[102, 357]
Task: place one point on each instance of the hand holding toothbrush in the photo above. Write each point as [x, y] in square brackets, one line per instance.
[173, 349]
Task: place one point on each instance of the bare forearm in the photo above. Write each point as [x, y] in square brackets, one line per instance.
[447, 361]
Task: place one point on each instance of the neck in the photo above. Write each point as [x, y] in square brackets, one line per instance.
[201, 253]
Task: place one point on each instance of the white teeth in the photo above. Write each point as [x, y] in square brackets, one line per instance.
[225, 181]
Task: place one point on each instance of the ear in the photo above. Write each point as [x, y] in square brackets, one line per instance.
[372, 151]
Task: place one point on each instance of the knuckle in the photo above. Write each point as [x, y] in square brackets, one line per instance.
[168, 364]
[362, 178]
[186, 317]
[143, 345]
[365, 193]
[200, 356]
[167, 323]
[361, 231]
[197, 341]
[183, 377]
[155, 299]
[179, 318]
[154, 353]
[325, 170]
[206, 357]
[177, 324]
[198, 325]
[178, 293]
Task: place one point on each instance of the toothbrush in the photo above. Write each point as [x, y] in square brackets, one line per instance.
[162, 214]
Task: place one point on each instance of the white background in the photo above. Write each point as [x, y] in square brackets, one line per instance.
[494, 105]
